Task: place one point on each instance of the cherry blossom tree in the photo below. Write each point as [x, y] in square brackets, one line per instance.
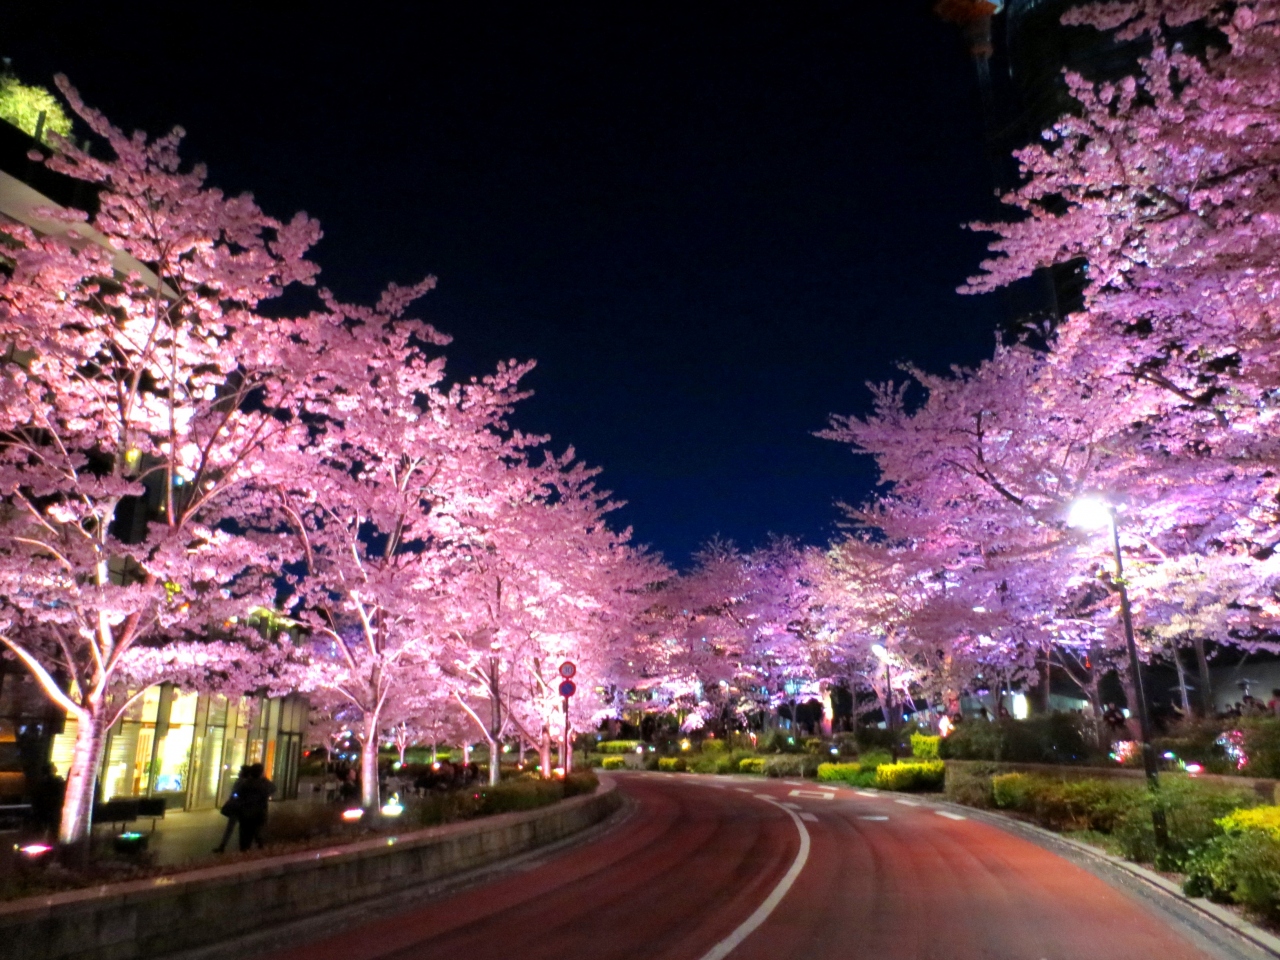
[383, 502]
[135, 421]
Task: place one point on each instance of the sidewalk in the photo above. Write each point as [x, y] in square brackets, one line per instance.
[187, 836]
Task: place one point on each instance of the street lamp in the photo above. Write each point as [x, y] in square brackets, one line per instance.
[1094, 513]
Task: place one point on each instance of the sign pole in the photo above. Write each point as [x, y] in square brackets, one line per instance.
[567, 689]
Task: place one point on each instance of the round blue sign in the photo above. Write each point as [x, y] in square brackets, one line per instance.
[568, 688]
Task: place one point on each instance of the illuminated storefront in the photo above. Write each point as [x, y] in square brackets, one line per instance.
[188, 747]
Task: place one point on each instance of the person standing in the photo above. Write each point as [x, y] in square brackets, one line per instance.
[231, 809]
[253, 807]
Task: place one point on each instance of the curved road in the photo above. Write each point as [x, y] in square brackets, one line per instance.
[707, 868]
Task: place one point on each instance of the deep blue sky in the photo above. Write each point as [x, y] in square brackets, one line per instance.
[710, 223]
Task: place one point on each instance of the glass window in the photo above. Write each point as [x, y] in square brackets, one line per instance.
[173, 755]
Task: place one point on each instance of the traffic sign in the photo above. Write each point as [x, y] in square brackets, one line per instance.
[568, 688]
[567, 669]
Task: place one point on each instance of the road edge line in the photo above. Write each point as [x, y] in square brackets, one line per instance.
[770, 903]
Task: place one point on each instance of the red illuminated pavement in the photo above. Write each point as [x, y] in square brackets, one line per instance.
[698, 857]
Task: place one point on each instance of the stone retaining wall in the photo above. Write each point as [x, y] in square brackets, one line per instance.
[163, 915]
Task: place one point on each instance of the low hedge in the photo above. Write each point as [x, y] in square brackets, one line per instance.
[751, 765]
[672, 764]
[925, 775]
[859, 774]
[613, 763]
[924, 747]
[617, 746]
[1123, 810]
[792, 765]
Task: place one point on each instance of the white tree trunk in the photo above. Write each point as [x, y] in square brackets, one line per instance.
[544, 752]
[77, 808]
[828, 710]
[495, 761]
[369, 764]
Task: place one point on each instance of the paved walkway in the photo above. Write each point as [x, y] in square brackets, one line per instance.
[187, 836]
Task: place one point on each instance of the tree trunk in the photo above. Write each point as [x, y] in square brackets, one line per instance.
[369, 764]
[435, 753]
[544, 751]
[1206, 682]
[77, 808]
[495, 760]
[1182, 681]
[828, 709]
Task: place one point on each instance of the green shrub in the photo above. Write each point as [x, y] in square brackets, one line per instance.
[924, 747]
[1192, 810]
[1048, 738]
[726, 764]
[618, 746]
[651, 762]
[837, 772]
[970, 784]
[580, 782]
[671, 764]
[1266, 819]
[751, 765]
[779, 741]
[1241, 867]
[704, 763]
[816, 745]
[714, 746]
[613, 763]
[1261, 745]
[793, 765]
[1011, 791]
[926, 775]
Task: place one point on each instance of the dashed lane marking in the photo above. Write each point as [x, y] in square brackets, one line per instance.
[811, 817]
[948, 814]
[764, 796]
[873, 818]
[866, 793]
[813, 794]
[791, 806]
[908, 803]
[744, 789]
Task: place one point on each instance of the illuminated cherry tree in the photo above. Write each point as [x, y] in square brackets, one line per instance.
[135, 420]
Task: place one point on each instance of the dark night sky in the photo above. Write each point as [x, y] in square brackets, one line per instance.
[710, 223]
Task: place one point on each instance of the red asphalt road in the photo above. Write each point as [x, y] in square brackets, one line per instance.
[699, 855]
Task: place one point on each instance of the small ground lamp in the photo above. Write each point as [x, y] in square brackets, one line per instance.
[1094, 513]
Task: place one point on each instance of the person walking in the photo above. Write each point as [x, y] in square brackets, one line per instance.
[231, 809]
[253, 807]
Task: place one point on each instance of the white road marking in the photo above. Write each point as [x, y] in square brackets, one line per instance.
[764, 796]
[948, 814]
[744, 789]
[908, 803]
[791, 806]
[873, 818]
[866, 793]
[761, 914]
[813, 794]
[811, 817]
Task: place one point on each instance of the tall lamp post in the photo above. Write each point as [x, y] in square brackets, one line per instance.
[1094, 513]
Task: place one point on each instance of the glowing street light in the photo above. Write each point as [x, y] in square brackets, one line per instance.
[1094, 513]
